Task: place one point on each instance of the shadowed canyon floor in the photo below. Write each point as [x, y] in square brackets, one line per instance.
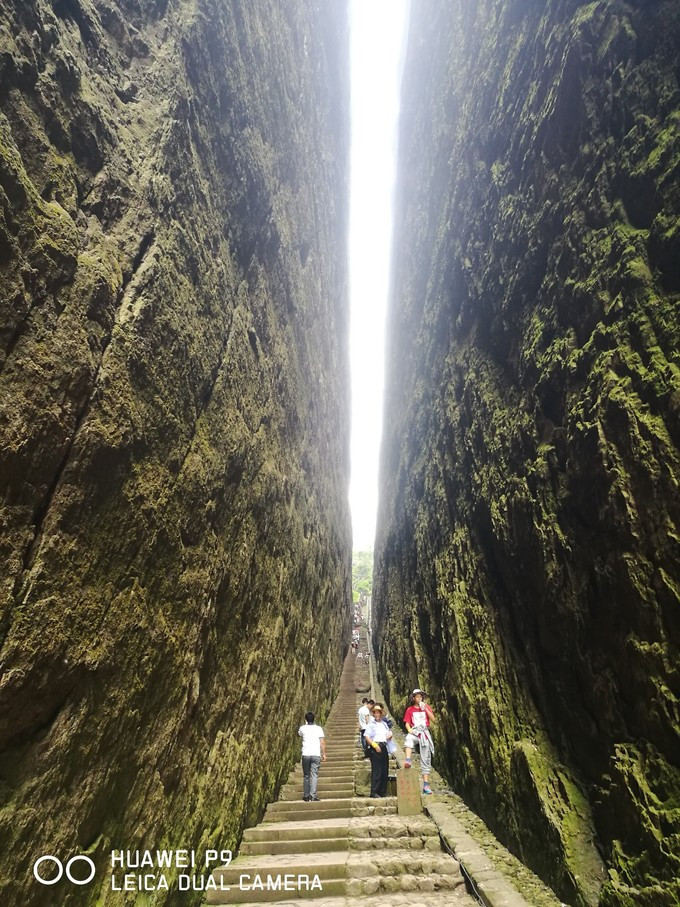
[357, 846]
[364, 848]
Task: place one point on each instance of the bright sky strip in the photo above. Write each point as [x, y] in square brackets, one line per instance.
[378, 29]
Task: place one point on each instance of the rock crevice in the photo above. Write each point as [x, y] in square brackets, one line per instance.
[173, 414]
[527, 569]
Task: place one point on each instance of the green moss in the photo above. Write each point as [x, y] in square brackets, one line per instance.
[531, 460]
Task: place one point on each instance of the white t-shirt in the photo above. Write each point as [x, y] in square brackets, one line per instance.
[311, 735]
[364, 714]
[419, 718]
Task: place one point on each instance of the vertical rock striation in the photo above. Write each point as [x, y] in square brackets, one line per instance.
[528, 555]
[173, 417]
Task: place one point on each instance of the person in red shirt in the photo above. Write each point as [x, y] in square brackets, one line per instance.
[417, 718]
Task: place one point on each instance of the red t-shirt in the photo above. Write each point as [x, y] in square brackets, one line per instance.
[416, 717]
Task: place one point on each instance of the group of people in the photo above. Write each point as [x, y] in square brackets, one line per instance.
[375, 729]
[377, 741]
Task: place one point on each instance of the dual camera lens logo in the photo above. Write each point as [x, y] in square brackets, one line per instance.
[39, 872]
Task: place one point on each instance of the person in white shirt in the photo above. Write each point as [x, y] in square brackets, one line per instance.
[364, 714]
[313, 752]
[378, 738]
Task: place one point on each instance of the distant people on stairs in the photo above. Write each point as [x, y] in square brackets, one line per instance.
[364, 714]
[378, 738]
[417, 719]
[313, 752]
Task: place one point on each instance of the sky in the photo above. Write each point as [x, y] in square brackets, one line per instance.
[378, 30]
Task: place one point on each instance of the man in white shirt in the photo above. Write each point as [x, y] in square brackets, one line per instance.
[313, 752]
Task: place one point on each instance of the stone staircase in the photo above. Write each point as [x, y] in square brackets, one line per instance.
[344, 846]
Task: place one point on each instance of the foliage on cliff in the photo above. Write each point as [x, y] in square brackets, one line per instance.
[528, 556]
[362, 573]
[174, 528]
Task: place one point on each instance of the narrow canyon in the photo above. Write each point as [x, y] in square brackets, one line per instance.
[175, 417]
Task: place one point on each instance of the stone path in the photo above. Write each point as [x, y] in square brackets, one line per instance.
[345, 846]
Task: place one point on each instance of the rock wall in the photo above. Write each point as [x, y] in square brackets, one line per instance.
[528, 553]
[173, 418]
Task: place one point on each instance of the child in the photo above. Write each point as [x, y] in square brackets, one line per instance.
[417, 719]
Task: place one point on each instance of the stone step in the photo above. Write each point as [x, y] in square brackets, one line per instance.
[302, 812]
[406, 843]
[333, 802]
[344, 788]
[313, 845]
[422, 897]
[323, 865]
[339, 761]
[273, 831]
[329, 770]
[242, 895]
[330, 774]
[289, 796]
[395, 862]
[366, 805]
[297, 811]
[330, 783]
[409, 890]
[394, 867]
[336, 782]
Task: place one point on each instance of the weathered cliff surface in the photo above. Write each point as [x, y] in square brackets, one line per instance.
[528, 552]
[173, 417]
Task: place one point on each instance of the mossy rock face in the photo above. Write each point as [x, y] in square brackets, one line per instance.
[175, 536]
[527, 571]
